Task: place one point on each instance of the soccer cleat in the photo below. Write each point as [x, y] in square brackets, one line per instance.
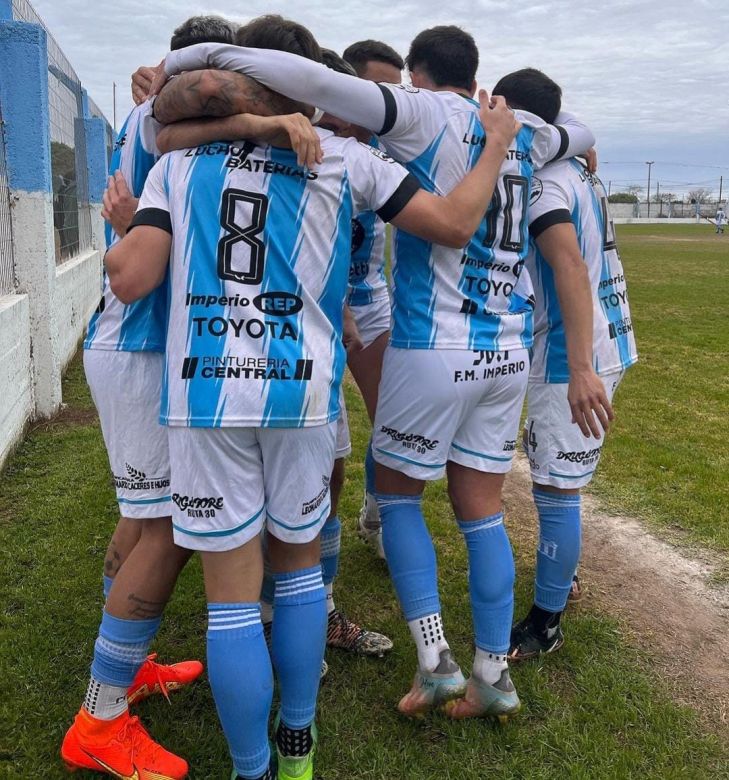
[528, 642]
[160, 678]
[120, 747]
[296, 767]
[368, 525]
[267, 636]
[575, 595]
[483, 700]
[433, 689]
[346, 635]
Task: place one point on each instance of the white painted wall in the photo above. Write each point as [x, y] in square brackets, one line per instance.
[16, 394]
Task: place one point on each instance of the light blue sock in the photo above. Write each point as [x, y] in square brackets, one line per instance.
[239, 669]
[559, 547]
[297, 642]
[108, 582]
[331, 536]
[490, 581]
[121, 648]
[410, 554]
[370, 470]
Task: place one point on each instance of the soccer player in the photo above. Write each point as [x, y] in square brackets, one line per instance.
[454, 375]
[583, 343]
[369, 297]
[123, 360]
[260, 253]
[720, 219]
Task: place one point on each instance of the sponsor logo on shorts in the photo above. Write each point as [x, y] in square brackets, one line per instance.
[310, 506]
[136, 479]
[510, 446]
[410, 441]
[620, 328]
[497, 364]
[196, 506]
[585, 457]
[261, 368]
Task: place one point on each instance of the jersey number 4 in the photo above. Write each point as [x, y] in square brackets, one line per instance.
[242, 237]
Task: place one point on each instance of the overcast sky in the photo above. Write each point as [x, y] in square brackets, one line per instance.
[650, 78]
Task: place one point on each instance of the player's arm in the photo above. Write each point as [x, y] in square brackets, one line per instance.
[136, 265]
[586, 395]
[453, 219]
[293, 130]
[215, 93]
[350, 98]
[568, 137]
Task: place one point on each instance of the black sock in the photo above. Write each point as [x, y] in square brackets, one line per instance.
[294, 742]
[541, 619]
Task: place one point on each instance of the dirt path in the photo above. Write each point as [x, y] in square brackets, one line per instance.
[664, 600]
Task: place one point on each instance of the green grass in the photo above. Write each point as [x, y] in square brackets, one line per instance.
[667, 458]
[594, 711]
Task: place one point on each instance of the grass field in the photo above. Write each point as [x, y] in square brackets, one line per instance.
[595, 710]
[667, 457]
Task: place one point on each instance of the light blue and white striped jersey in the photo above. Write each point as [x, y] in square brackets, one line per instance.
[259, 264]
[462, 299]
[566, 192]
[139, 326]
[367, 281]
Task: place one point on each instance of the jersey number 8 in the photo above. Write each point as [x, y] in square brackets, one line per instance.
[248, 235]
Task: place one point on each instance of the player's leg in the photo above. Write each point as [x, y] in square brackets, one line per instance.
[373, 323]
[412, 435]
[562, 461]
[122, 542]
[343, 633]
[297, 462]
[217, 476]
[481, 454]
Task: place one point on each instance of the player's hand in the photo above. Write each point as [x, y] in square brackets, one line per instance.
[498, 120]
[591, 159]
[119, 204]
[589, 403]
[159, 80]
[350, 334]
[142, 79]
[304, 139]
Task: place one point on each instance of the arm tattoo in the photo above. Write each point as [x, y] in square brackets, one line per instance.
[216, 93]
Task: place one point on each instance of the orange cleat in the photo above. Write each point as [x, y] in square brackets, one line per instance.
[120, 747]
[158, 678]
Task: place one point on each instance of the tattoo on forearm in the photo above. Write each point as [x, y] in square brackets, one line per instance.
[143, 608]
[216, 93]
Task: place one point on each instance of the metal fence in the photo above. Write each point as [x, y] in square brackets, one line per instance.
[7, 261]
[71, 211]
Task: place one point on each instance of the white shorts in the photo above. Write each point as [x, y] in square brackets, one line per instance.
[126, 388]
[441, 405]
[344, 443]
[372, 319]
[228, 482]
[559, 454]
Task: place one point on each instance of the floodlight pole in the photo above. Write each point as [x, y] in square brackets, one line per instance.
[649, 164]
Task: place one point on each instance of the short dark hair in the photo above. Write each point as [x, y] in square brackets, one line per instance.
[202, 29]
[362, 52]
[448, 55]
[533, 91]
[332, 60]
[272, 31]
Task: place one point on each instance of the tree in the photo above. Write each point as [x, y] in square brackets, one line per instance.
[623, 197]
[699, 195]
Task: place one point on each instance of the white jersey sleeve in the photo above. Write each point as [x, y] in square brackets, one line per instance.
[378, 183]
[154, 196]
[567, 138]
[551, 202]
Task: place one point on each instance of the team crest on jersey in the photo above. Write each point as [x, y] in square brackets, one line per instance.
[537, 189]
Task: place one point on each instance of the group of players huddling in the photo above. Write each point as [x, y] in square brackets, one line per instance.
[237, 288]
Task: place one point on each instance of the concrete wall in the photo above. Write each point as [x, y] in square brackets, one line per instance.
[43, 320]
